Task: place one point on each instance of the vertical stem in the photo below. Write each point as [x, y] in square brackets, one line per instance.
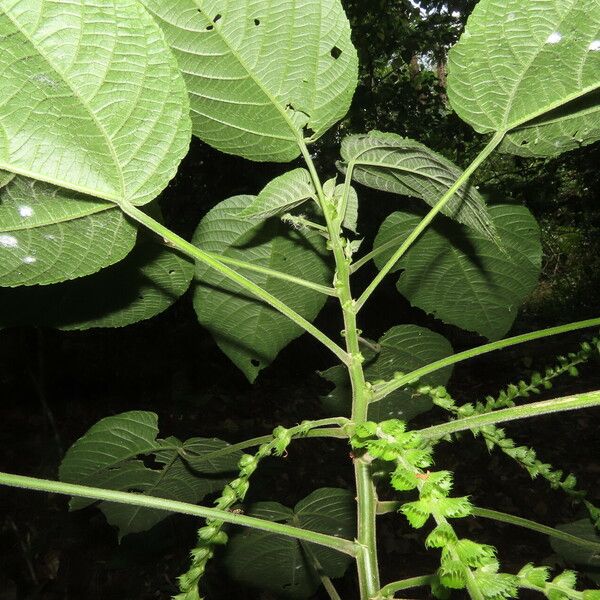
[366, 498]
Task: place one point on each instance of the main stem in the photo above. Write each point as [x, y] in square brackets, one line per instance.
[366, 497]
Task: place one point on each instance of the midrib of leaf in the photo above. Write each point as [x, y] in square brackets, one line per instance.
[85, 105]
[251, 74]
[4, 166]
[67, 219]
[394, 167]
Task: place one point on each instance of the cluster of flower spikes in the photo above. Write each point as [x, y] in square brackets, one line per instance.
[561, 587]
[496, 436]
[212, 535]
[464, 564]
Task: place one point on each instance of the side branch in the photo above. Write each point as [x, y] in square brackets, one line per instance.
[462, 180]
[545, 407]
[195, 253]
[81, 491]
[383, 390]
[534, 526]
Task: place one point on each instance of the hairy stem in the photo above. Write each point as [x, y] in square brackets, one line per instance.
[177, 242]
[534, 526]
[397, 586]
[81, 491]
[242, 264]
[366, 557]
[575, 402]
[462, 180]
[383, 508]
[383, 390]
[318, 429]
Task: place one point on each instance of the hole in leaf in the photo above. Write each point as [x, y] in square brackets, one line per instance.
[524, 142]
[135, 491]
[149, 461]
[210, 27]
[257, 22]
[172, 272]
[308, 131]
[255, 362]
[336, 52]
[217, 18]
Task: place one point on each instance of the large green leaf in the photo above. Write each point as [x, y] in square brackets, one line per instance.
[462, 277]
[283, 565]
[391, 163]
[249, 331]
[124, 453]
[403, 348]
[585, 560]
[149, 280]
[49, 234]
[92, 102]
[259, 72]
[540, 60]
[282, 194]
[91, 99]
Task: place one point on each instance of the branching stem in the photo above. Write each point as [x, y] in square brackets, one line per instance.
[383, 390]
[192, 251]
[535, 409]
[81, 491]
[366, 498]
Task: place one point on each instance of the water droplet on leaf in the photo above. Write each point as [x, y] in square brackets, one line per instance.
[8, 241]
[554, 38]
[594, 46]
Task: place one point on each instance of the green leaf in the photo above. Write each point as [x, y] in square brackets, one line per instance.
[334, 191]
[402, 348]
[49, 234]
[149, 280]
[5, 178]
[63, 70]
[460, 276]
[259, 72]
[283, 565]
[281, 195]
[391, 163]
[496, 586]
[123, 452]
[583, 559]
[250, 332]
[532, 67]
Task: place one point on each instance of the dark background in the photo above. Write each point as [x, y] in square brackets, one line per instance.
[55, 385]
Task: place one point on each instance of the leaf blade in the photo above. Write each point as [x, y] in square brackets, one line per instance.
[258, 72]
[518, 61]
[391, 163]
[459, 276]
[250, 332]
[69, 63]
